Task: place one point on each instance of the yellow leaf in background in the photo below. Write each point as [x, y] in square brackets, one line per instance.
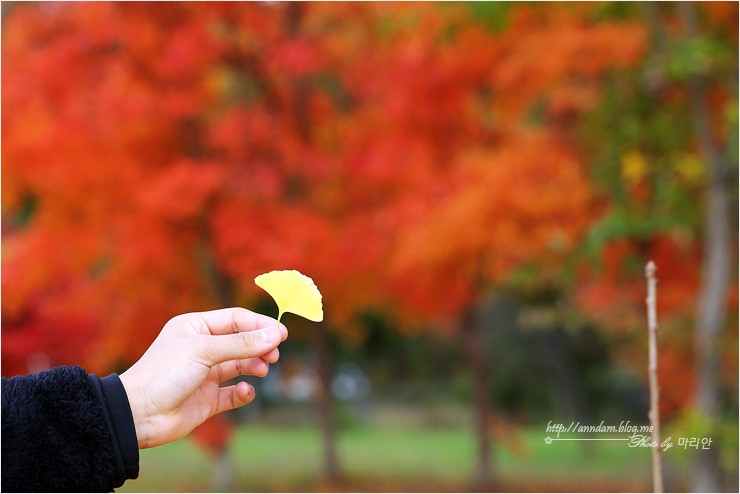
[293, 292]
[634, 167]
[690, 169]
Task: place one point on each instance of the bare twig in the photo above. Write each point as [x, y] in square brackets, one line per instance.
[654, 413]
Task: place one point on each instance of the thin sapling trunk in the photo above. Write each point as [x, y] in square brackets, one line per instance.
[654, 413]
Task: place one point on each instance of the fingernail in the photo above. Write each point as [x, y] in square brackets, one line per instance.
[270, 334]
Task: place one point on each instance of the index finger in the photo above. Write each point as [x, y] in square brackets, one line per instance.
[237, 320]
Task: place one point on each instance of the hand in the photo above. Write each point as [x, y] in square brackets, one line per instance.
[174, 387]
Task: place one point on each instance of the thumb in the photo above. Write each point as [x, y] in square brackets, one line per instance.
[216, 349]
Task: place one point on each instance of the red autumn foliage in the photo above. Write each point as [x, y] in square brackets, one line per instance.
[401, 154]
[214, 434]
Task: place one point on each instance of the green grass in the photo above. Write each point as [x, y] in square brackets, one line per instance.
[374, 459]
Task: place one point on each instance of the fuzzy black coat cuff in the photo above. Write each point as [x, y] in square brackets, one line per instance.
[63, 430]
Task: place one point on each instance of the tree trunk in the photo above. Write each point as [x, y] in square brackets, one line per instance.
[569, 397]
[711, 309]
[324, 404]
[301, 116]
[223, 290]
[475, 345]
[223, 472]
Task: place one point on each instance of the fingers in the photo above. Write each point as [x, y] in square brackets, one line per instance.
[236, 320]
[235, 396]
[272, 356]
[237, 346]
[256, 366]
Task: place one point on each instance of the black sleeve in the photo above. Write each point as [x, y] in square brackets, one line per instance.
[117, 411]
[62, 433]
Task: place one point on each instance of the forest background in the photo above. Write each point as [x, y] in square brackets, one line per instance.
[475, 188]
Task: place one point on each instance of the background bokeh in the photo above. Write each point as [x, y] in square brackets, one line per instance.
[475, 188]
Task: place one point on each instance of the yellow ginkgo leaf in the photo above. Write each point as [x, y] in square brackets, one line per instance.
[293, 292]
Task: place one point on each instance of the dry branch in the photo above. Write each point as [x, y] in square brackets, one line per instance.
[654, 413]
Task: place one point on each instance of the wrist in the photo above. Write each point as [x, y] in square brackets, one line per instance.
[138, 409]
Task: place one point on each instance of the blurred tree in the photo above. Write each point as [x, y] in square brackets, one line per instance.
[668, 164]
[716, 260]
[182, 150]
[214, 436]
[412, 157]
[504, 184]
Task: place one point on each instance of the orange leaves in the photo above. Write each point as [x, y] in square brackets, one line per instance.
[186, 52]
[677, 379]
[560, 50]
[214, 434]
[679, 286]
[295, 57]
[525, 199]
[38, 258]
[615, 293]
[181, 191]
[384, 147]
